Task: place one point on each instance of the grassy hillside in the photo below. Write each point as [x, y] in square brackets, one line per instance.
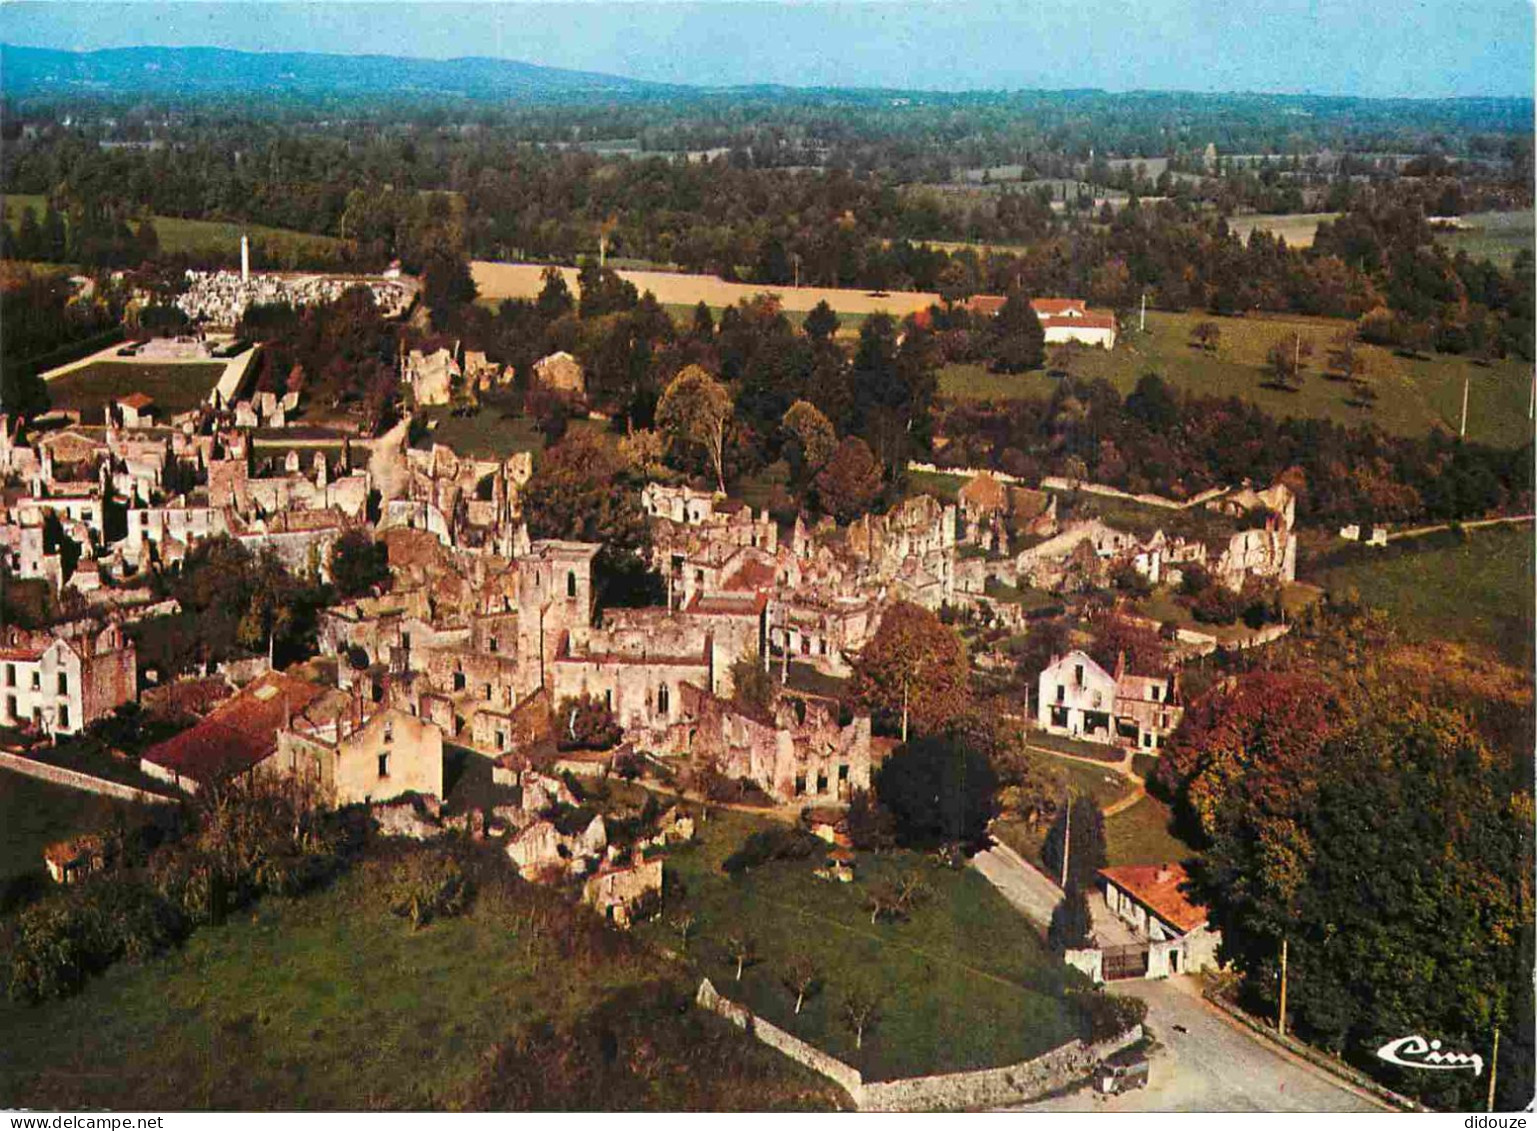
[1413, 396]
[283, 246]
[1475, 590]
[964, 983]
[34, 814]
[328, 1002]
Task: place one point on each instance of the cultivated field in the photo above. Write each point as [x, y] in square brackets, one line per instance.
[1298, 228]
[1413, 396]
[176, 386]
[497, 281]
[206, 236]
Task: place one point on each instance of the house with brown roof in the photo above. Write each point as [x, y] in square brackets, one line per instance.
[137, 410]
[236, 737]
[1154, 900]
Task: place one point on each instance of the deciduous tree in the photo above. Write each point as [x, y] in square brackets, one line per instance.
[695, 411]
[850, 482]
[913, 670]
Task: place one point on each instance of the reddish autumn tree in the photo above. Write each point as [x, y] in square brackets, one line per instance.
[850, 482]
[1257, 737]
[1116, 635]
[914, 669]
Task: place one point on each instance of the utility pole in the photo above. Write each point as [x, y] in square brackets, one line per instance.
[1281, 1019]
[1494, 1067]
[1067, 840]
[1142, 322]
[904, 711]
[1462, 431]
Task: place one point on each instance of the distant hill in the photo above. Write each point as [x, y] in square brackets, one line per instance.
[31, 71]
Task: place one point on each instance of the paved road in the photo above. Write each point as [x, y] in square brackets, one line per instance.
[1031, 893]
[1214, 1065]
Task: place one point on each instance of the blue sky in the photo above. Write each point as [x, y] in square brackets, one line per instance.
[1381, 48]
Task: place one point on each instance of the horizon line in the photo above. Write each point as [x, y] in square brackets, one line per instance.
[748, 85]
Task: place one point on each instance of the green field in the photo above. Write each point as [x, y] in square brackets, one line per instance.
[1413, 396]
[34, 814]
[1140, 834]
[1496, 236]
[283, 246]
[489, 434]
[175, 386]
[1478, 591]
[964, 982]
[327, 1002]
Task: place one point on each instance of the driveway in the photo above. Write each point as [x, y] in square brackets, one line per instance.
[1035, 896]
[1032, 894]
[1214, 1065]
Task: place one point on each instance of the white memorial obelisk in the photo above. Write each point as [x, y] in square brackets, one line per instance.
[245, 260]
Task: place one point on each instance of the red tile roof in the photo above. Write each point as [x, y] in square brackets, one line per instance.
[1048, 307]
[1157, 888]
[985, 304]
[1089, 321]
[239, 734]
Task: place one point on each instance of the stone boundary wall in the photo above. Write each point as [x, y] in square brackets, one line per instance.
[73, 779]
[1057, 483]
[1313, 1056]
[995, 1087]
[987, 1087]
[843, 1075]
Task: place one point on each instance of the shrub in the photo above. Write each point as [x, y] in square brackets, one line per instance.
[62, 941]
[1071, 924]
[772, 844]
[427, 885]
[585, 723]
[1108, 1015]
[1217, 604]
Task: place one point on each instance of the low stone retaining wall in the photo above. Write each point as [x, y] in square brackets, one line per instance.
[995, 1087]
[74, 779]
[987, 1087]
[843, 1075]
[1313, 1056]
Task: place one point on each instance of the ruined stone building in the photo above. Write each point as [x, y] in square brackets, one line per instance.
[801, 753]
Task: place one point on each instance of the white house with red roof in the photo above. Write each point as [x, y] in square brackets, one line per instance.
[1071, 320]
[1063, 319]
[1154, 900]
